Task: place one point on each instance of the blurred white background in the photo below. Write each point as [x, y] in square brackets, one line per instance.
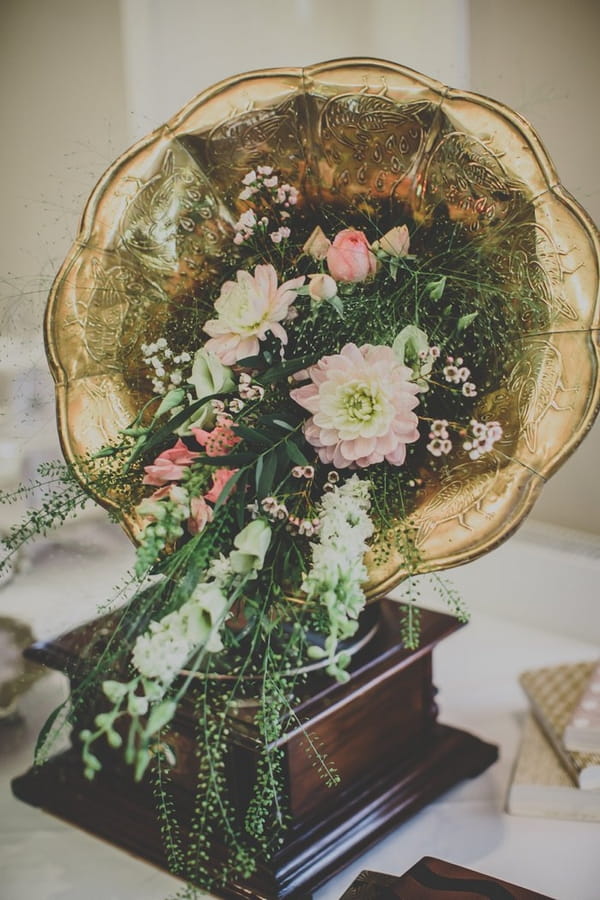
[81, 80]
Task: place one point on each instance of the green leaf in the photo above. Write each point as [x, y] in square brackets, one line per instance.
[240, 499]
[264, 479]
[268, 420]
[337, 305]
[106, 451]
[250, 362]
[173, 398]
[47, 728]
[260, 462]
[281, 371]
[114, 690]
[143, 758]
[114, 738]
[252, 434]
[343, 660]
[230, 459]
[160, 716]
[295, 454]
[339, 674]
[228, 488]
[105, 720]
[465, 321]
[91, 762]
[435, 288]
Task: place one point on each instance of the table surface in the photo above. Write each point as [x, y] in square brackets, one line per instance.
[475, 670]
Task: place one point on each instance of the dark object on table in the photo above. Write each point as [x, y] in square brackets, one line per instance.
[434, 879]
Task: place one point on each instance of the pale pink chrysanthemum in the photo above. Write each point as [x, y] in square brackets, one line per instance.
[247, 309]
[361, 401]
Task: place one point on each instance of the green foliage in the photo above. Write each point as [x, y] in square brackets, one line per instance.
[172, 838]
[450, 595]
[60, 497]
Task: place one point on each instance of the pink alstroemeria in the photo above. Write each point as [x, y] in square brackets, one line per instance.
[169, 465]
[220, 478]
[200, 515]
[174, 492]
[219, 441]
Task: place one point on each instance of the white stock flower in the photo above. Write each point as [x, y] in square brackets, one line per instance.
[337, 570]
[163, 650]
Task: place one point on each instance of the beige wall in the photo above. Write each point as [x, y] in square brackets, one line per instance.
[177, 48]
[541, 57]
[63, 122]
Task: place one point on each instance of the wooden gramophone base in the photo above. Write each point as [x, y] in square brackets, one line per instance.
[124, 813]
[380, 728]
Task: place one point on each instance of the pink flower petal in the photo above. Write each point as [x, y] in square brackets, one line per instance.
[247, 309]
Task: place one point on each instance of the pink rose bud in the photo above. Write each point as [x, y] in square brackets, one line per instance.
[318, 244]
[395, 242]
[349, 258]
[321, 287]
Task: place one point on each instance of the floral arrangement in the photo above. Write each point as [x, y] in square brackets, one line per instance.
[336, 362]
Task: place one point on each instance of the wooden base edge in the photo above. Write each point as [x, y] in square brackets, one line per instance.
[122, 813]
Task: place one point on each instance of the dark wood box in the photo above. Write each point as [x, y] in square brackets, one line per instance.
[380, 728]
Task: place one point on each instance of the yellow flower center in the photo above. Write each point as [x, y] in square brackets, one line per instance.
[360, 403]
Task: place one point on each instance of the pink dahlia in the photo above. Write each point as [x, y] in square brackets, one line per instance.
[247, 309]
[361, 402]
